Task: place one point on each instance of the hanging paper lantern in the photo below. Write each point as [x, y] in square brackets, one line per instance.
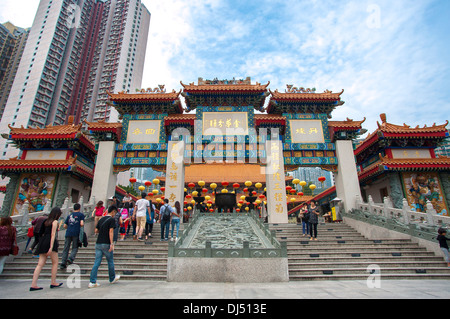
[257, 202]
[195, 193]
[141, 188]
[241, 202]
[243, 197]
[133, 180]
[292, 199]
[188, 196]
[300, 194]
[210, 202]
[163, 189]
[207, 197]
[296, 181]
[225, 184]
[155, 191]
[293, 191]
[258, 185]
[312, 187]
[189, 208]
[158, 200]
[261, 196]
[191, 185]
[224, 190]
[193, 202]
[148, 183]
[254, 193]
[245, 190]
[248, 183]
[156, 181]
[209, 205]
[201, 183]
[238, 210]
[213, 185]
[162, 197]
[288, 188]
[239, 205]
[211, 210]
[302, 183]
[204, 190]
[150, 194]
[185, 209]
[247, 209]
[185, 190]
[185, 203]
[322, 179]
[236, 185]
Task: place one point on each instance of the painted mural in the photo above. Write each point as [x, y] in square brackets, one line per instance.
[37, 189]
[421, 187]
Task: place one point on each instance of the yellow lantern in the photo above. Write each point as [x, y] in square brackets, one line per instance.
[189, 208]
[248, 183]
[194, 193]
[257, 202]
[292, 199]
[141, 188]
[207, 197]
[296, 181]
[258, 185]
[224, 190]
[302, 183]
[209, 205]
[239, 205]
[247, 209]
[201, 183]
[213, 185]
[265, 189]
[156, 181]
[155, 191]
[193, 202]
[312, 187]
[265, 203]
[158, 200]
[243, 197]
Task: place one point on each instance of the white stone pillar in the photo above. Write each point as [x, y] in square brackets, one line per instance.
[276, 183]
[175, 174]
[347, 182]
[104, 183]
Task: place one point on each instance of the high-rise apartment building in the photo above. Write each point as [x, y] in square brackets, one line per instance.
[77, 51]
[12, 43]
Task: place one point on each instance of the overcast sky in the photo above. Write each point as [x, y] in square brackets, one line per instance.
[389, 56]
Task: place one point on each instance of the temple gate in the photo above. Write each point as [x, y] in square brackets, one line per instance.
[236, 124]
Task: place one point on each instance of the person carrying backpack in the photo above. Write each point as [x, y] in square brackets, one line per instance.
[165, 212]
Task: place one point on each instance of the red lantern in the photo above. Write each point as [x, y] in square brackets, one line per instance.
[148, 183]
[225, 184]
[185, 209]
[191, 185]
[254, 192]
[133, 180]
[322, 179]
[185, 203]
[245, 190]
[288, 188]
[300, 194]
[211, 210]
[162, 197]
[236, 185]
[261, 196]
[241, 202]
[204, 190]
[209, 202]
[188, 196]
[293, 191]
[163, 189]
[238, 210]
[150, 194]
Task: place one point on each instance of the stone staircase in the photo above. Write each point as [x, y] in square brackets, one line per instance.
[341, 253]
[134, 260]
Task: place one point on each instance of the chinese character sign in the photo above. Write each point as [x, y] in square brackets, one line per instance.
[276, 183]
[175, 173]
[306, 131]
[225, 123]
[143, 131]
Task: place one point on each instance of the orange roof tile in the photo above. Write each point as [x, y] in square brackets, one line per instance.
[224, 87]
[349, 123]
[17, 164]
[124, 97]
[327, 95]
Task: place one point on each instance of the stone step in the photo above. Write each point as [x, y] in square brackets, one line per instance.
[363, 270]
[361, 277]
[383, 264]
[348, 259]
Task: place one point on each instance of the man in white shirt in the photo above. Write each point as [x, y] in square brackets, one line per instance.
[140, 212]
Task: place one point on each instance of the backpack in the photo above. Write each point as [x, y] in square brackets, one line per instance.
[165, 215]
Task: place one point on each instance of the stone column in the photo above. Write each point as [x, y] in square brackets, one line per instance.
[276, 183]
[175, 174]
[347, 182]
[104, 183]
[10, 196]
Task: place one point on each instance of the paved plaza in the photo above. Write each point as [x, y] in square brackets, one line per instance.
[389, 289]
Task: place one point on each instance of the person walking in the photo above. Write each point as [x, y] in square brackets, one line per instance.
[150, 219]
[37, 223]
[8, 242]
[165, 212]
[140, 211]
[48, 247]
[313, 220]
[98, 212]
[73, 224]
[304, 215]
[125, 213]
[104, 247]
[442, 238]
[176, 214]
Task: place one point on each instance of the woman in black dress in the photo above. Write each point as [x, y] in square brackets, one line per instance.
[48, 247]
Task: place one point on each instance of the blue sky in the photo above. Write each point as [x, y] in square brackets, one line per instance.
[390, 57]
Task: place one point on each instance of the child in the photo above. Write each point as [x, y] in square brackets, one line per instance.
[443, 244]
[125, 220]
